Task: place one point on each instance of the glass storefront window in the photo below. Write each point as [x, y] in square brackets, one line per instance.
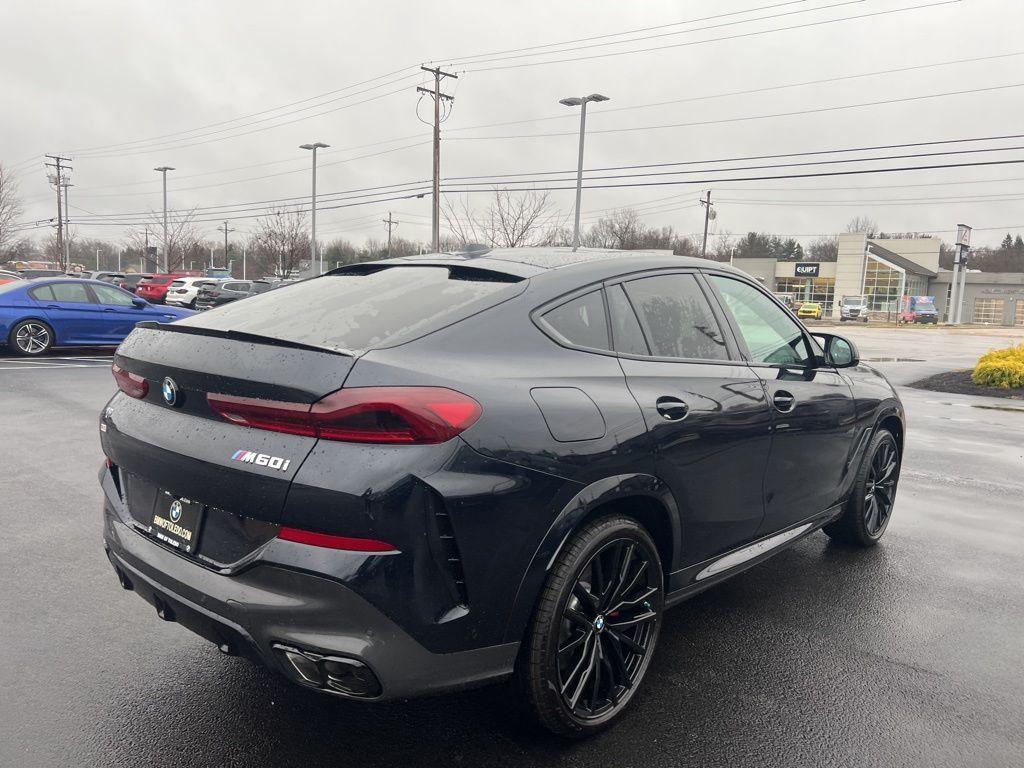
[882, 286]
[819, 289]
[1018, 315]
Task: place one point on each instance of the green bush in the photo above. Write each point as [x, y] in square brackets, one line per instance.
[1001, 368]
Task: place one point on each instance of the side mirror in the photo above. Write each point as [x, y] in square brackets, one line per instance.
[139, 303]
[840, 352]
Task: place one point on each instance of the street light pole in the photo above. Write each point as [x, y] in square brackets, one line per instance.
[580, 101]
[163, 169]
[312, 236]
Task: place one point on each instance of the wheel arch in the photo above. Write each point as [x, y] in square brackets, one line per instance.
[641, 496]
[32, 319]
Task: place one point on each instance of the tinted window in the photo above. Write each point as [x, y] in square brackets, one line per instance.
[177, 284]
[676, 318]
[626, 334]
[358, 311]
[261, 287]
[236, 286]
[771, 336]
[112, 296]
[581, 322]
[73, 293]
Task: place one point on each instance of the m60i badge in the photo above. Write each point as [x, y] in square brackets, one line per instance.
[261, 459]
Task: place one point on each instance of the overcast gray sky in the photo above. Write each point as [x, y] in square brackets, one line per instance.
[77, 76]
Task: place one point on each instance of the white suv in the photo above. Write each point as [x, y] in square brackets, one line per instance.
[183, 291]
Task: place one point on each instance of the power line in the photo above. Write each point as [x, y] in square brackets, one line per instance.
[463, 59]
[745, 118]
[717, 39]
[516, 179]
[751, 91]
[83, 150]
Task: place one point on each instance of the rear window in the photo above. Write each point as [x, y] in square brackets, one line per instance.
[177, 284]
[581, 322]
[350, 312]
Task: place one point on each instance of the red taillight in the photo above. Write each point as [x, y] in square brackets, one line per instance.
[131, 384]
[334, 542]
[395, 415]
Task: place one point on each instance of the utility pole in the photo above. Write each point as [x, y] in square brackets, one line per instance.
[437, 96]
[706, 202]
[224, 228]
[145, 251]
[58, 179]
[163, 169]
[390, 222]
[67, 222]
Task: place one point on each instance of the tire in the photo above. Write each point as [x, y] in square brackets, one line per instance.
[586, 654]
[31, 338]
[192, 304]
[868, 511]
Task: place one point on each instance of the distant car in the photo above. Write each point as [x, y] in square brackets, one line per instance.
[32, 274]
[130, 281]
[184, 291]
[105, 276]
[853, 308]
[919, 309]
[787, 299]
[211, 296]
[809, 310]
[7, 277]
[154, 288]
[67, 311]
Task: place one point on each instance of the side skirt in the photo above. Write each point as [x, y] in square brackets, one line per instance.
[687, 582]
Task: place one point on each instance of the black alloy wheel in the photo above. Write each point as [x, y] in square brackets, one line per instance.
[869, 509]
[595, 628]
[880, 488]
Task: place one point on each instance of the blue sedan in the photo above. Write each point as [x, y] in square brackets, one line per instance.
[36, 315]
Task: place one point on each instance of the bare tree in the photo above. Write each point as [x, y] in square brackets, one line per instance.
[863, 224]
[10, 206]
[184, 240]
[280, 244]
[824, 249]
[512, 220]
[620, 230]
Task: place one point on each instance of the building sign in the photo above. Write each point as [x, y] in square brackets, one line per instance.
[963, 235]
[806, 269]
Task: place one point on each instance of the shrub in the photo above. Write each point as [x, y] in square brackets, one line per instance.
[1001, 368]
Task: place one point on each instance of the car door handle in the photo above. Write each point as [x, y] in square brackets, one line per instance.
[784, 401]
[53, 306]
[672, 408]
[110, 309]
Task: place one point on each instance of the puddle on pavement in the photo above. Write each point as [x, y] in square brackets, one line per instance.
[998, 408]
[893, 360]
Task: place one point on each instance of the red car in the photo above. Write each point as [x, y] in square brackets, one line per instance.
[154, 289]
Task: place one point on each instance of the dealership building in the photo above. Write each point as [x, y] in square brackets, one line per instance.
[883, 270]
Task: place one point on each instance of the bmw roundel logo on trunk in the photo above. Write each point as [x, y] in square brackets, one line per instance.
[169, 389]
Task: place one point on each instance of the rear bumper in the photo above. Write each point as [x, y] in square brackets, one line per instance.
[276, 604]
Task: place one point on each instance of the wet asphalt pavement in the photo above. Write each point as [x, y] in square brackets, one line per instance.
[910, 654]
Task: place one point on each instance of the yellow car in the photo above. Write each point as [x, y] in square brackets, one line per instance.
[809, 310]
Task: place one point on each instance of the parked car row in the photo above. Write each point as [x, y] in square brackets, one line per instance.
[36, 315]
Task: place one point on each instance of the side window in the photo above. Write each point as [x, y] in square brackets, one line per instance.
[771, 336]
[581, 322]
[676, 318]
[626, 334]
[114, 297]
[73, 293]
[42, 293]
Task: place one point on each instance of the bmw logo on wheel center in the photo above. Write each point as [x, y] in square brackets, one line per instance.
[169, 389]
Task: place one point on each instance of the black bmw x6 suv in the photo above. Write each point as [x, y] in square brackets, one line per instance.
[420, 474]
